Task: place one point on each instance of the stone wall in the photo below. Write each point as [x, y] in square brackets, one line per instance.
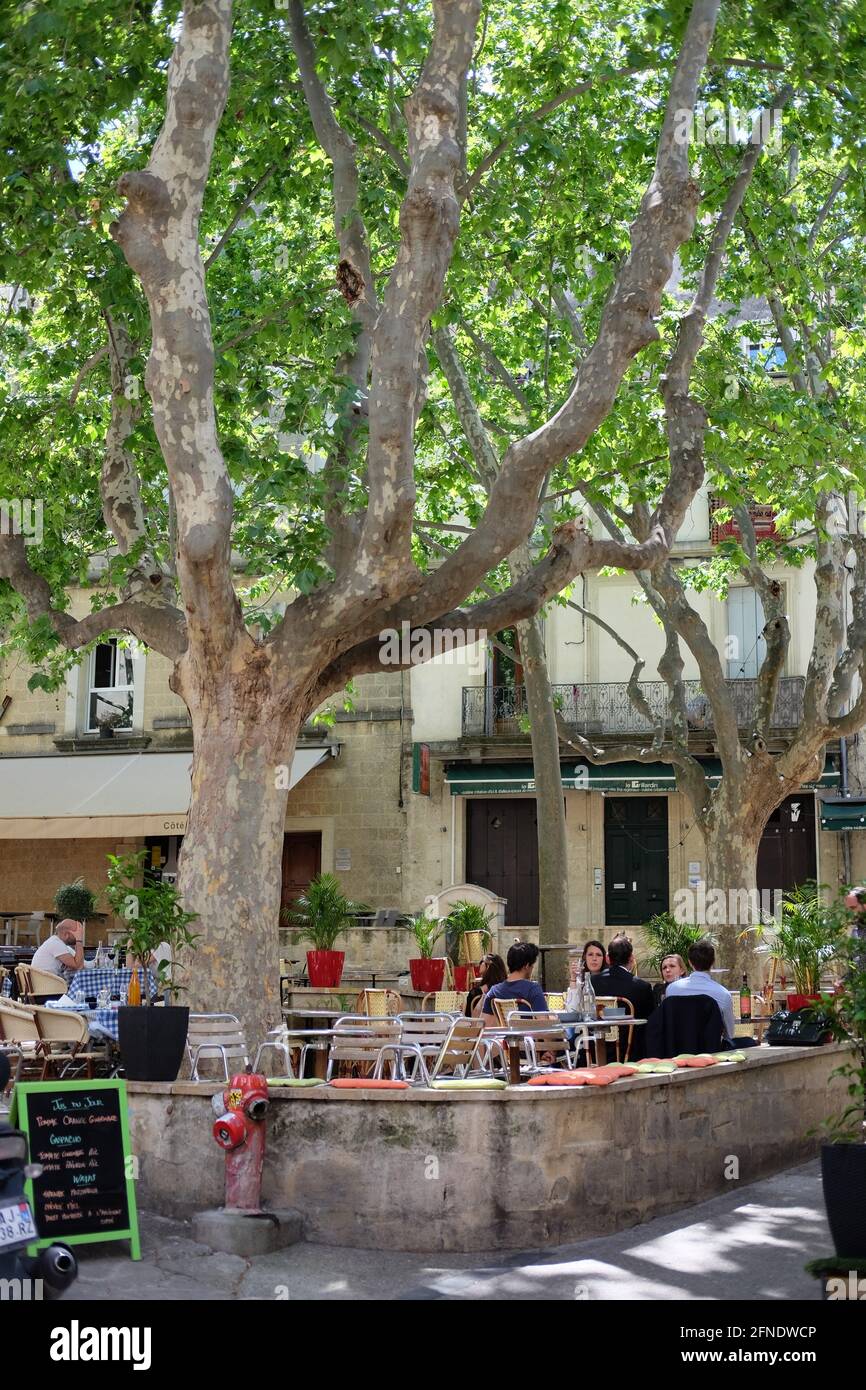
[516, 1169]
[31, 871]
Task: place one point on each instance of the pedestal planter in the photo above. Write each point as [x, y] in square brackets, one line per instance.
[427, 973]
[325, 968]
[152, 1041]
[843, 1173]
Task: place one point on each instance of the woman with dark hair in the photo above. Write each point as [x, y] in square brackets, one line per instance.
[593, 959]
[491, 972]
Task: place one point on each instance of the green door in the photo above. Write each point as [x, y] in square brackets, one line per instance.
[635, 859]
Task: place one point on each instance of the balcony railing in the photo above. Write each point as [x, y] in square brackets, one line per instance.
[604, 707]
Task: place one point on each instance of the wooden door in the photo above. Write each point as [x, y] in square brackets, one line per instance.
[302, 860]
[502, 854]
[635, 859]
[786, 855]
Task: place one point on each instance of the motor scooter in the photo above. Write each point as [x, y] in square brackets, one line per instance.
[20, 1274]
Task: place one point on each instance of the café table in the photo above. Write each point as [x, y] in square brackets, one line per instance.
[87, 983]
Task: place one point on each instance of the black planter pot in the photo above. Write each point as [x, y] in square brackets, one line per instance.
[152, 1041]
[843, 1172]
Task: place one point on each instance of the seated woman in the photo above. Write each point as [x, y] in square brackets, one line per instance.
[673, 967]
[491, 972]
[592, 959]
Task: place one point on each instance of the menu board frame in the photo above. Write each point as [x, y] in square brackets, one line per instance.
[19, 1115]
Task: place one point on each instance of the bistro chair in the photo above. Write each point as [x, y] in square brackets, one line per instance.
[444, 1001]
[460, 1052]
[615, 1001]
[22, 980]
[65, 1036]
[18, 1027]
[379, 1003]
[216, 1035]
[43, 985]
[278, 1040]
[422, 1036]
[366, 1043]
[504, 1008]
[551, 1041]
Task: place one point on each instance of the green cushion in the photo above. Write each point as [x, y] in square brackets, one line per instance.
[478, 1084]
[294, 1081]
[730, 1056]
[646, 1067]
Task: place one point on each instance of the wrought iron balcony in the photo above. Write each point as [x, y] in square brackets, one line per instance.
[604, 707]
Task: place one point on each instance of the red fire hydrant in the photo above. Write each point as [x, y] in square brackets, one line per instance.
[240, 1130]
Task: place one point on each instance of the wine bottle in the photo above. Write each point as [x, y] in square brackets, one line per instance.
[134, 992]
[745, 1000]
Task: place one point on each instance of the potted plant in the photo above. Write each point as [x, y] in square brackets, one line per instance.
[669, 937]
[75, 900]
[807, 937]
[427, 971]
[468, 927]
[108, 720]
[843, 1155]
[319, 916]
[151, 1040]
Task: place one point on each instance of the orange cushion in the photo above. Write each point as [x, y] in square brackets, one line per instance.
[598, 1078]
[566, 1078]
[697, 1062]
[360, 1083]
[617, 1069]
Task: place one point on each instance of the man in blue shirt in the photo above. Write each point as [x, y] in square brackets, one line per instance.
[702, 957]
[519, 986]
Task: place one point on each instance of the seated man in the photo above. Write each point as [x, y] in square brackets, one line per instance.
[619, 979]
[63, 953]
[702, 957]
[518, 986]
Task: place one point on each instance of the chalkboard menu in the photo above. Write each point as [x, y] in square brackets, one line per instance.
[78, 1133]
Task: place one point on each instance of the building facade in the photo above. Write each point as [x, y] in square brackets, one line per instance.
[426, 780]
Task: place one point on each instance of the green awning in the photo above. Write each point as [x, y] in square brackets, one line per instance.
[843, 815]
[507, 779]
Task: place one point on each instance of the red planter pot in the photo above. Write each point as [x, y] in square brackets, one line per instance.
[802, 1001]
[325, 968]
[427, 974]
[464, 976]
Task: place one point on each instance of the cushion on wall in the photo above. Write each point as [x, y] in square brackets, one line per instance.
[363, 1083]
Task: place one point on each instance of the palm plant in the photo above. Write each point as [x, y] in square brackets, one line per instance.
[466, 917]
[426, 931]
[808, 936]
[321, 914]
[669, 937]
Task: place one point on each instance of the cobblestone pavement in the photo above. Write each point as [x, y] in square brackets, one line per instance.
[750, 1243]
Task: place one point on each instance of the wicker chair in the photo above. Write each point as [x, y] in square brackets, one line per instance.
[616, 1001]
[379, 1003]
[445, 1001]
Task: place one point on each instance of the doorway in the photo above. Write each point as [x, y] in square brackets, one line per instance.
[637, 882]
[302, 860]
[502, 854]
[786, 855]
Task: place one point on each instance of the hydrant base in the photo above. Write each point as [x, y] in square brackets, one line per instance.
[246, 1234]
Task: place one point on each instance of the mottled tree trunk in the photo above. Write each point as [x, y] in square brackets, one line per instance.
[550, 804]
[230, 867]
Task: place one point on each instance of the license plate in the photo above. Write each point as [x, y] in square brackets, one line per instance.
[16, 1224]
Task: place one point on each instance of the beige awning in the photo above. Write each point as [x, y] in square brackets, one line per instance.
[107, 795]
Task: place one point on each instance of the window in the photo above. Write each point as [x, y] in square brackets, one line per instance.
[110, 687]
[769, 355]
[745, 647]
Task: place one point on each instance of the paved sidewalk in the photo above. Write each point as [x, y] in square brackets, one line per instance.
[750, 1243]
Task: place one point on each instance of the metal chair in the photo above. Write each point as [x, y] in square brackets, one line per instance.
[215, 1035]
[550, 1040]
[365, 1042]
[422, 1037]
[459, 1053]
